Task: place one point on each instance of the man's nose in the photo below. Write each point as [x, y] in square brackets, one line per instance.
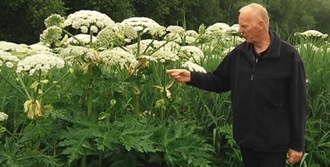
[240, 30]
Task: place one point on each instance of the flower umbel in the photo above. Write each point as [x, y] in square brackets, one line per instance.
[51, 35]
[41, 61]
[117, 56]
[311, 33]
[176, 29]
[193, 67]
[54, 20]
[88, 19]
[142, 24]
[192, 53]
[163, 56]
[3, 116]
[8, 59]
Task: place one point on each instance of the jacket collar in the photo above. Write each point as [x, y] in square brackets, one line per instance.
[274, 49]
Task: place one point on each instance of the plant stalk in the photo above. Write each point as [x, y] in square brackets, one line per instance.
[90, 92]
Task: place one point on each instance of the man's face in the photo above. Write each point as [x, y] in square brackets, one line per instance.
[249, 27]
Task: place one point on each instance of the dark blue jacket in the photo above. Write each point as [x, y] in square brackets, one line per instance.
[268, 95]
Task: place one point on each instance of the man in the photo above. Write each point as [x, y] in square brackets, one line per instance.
[266, 77]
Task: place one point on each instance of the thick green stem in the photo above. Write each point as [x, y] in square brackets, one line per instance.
[38, 87]
[83, 161]
[138, 83]
[138, 44]
[54, 151]
[100, 159]
[164, 79]
[90, 98]
[90, 38]
[164, 87]
[89, 104]
[137, 98]
[90, 92]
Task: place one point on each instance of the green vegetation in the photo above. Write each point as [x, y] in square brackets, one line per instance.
[95, 93]
[21, 20]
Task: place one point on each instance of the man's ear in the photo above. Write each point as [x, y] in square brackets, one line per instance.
[261, 24]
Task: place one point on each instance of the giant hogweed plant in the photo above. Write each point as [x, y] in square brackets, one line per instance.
[65, 117]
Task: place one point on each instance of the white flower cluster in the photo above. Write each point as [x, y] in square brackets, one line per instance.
[149, 58]
[193, 67]
[169, 46]
[232, 30]
[128, 31]
[191, 33]
[193, 53]
[118, 34]
[234, 40]
[174, 37]
[88, 20]
[141, 24]
[190, 40]
[191, 36]
[158, 31]
[71, 52]
[50, 35]
[311, 33]
[217, 28]
[223, 30]
[39, 47]
[163, 56]
[41, 61]
[144, 44]
[176, 29]
[13, 47]
[81, 38]
[8, 59]
[108, 36]
[3, 116]
[117, 56]
[54, 20]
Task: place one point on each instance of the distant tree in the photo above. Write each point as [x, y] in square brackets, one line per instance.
[319, 10]
[21, 21]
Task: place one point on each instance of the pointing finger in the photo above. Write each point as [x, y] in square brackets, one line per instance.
[170, 71]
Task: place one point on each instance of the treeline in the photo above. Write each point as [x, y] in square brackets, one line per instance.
[21, 21]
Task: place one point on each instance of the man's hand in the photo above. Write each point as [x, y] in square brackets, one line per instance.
[294, 156]
[180, 75]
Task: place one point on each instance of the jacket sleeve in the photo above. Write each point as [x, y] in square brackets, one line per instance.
[216, 81]
[298, 104]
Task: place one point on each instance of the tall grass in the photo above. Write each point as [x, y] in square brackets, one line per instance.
[316, 56]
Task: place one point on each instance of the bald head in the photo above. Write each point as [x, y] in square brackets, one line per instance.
[258, 13]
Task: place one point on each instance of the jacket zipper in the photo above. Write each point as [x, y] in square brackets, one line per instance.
[250, 133]
[255, 61]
